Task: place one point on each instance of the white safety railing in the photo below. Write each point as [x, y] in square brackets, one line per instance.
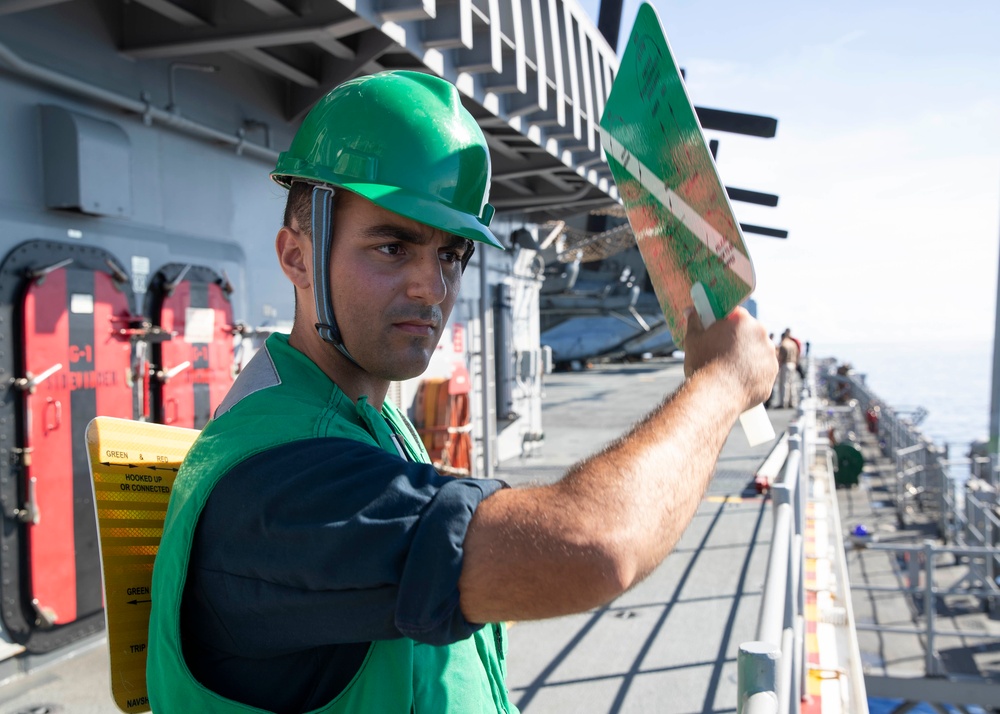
[964, 507]
[922, 558]
[771, 669]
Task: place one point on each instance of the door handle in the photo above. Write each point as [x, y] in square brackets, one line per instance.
[53, 406]
[29, 382]
[167, 375]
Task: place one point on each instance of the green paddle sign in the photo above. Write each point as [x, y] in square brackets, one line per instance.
[676, 204]
[668, 183]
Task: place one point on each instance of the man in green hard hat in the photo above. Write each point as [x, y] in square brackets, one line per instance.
[312, 559]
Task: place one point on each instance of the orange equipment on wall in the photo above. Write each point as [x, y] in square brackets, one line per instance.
[444, 421]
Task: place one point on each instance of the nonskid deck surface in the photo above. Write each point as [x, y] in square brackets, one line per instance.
[668, 645]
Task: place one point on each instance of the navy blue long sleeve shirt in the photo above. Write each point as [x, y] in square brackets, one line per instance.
[307, 553]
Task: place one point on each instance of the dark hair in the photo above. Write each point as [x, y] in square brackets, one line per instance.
[299, 206]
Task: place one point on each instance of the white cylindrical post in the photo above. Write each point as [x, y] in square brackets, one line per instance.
[757, 667]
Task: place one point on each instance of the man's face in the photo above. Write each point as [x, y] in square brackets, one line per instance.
[394, 283]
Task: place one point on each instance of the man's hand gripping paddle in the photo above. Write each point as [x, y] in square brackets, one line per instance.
[687, 234]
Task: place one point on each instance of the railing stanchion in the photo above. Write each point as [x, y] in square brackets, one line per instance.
[756, 676]
[930, 609]
[780, 637]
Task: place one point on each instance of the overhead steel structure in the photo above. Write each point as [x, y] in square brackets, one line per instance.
[535, 73]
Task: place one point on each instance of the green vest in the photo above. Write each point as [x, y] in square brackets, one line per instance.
[281, 397]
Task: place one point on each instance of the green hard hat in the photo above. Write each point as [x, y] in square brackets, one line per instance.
[404, 141]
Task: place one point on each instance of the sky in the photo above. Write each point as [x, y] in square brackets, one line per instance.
[886, 158]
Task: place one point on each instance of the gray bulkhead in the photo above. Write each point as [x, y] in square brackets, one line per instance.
[94, 158]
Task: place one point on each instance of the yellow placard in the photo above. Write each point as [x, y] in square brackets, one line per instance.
[133, 465]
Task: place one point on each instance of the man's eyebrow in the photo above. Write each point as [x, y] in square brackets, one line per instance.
[405, 235]
[388, 230]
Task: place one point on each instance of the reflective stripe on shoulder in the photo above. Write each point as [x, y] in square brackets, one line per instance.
[259, 374]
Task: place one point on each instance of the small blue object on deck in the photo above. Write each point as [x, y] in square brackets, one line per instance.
[877, 705]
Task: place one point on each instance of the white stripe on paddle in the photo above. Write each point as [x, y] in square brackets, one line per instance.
[713, 240]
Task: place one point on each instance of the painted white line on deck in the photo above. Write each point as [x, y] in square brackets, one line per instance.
[829, 658]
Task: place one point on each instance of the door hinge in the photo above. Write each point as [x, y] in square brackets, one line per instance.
[29, 513]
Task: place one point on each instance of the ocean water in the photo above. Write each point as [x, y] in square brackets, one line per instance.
[951, 380]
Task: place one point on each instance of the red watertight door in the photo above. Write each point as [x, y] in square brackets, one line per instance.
[77, 365]
[193, 370]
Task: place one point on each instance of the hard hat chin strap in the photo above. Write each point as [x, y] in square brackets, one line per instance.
[322, 243]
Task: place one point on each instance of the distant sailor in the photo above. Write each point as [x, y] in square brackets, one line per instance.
[789, 351]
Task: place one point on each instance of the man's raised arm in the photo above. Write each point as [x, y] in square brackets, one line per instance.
[567, 547]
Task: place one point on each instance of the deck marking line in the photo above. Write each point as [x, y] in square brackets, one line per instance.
[813, 691]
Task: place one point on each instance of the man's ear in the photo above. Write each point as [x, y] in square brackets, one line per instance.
[295, 256]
